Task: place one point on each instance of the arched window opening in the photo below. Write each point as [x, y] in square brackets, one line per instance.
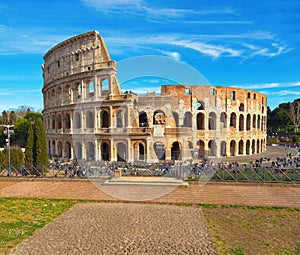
[160, 150]
[53, 122]
[159, 118]
[141, 151]
[242, 107]
[201, 149]
[90, 151]
[105, 151]
[248, 147]
[241, 147]
[187, 119]
[199, 106]
[200, 121]
[258, 121]
[120, 119]
[78, 151]
[121, 152]
[143, 119]
[233, 120]
[79, 89]
[77, 120]
[67, 151]
[241, 123]
[104, 119]
[223, 120]
[58, 121]
[232, 148]
[253, 146]
[212, 148]
[254, 121]
[248, 122]
[105, 87]
[59, 149]
[176, 151]
[91, 88]
[223, 149]
[212, 121]
[67, 121]
[257, 146]
[89, 120]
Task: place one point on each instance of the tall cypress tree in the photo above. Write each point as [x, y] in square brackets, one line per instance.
[40, 148]
[29, 158]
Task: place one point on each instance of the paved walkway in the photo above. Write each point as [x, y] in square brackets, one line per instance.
[117, 228]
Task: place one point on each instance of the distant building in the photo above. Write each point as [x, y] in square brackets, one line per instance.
[88, 117]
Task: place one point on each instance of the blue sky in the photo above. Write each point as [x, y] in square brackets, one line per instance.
[249, 44]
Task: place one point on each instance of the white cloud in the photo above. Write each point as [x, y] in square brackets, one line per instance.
[175, 55]
[268, 52]
[269, 86]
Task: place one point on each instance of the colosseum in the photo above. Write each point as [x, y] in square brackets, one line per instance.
[88, 117]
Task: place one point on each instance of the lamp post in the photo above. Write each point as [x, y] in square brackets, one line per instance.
[8, 133]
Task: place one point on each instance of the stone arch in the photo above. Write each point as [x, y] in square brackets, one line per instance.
[79, 89]
[248, 147]
[104, 116]
[258, 121]
[253, 146]
[248, 122]
[241, 122]
[159, 117]
[91, 88]
[212, 148]
[223, 149]
[188, 119]
[223, 120]
[143, 119]
[232, 148]
[233, 120]
[120, 116]
[201, 149]
[241, 147]
[257, 146]
[212, 121]
[59, 149]
[200, 121]
[200, 106]
[160, 150]
[104, 86]
[78, 150]
[90, 123]
[176, 151]
[121, 152]
[254, 121]
[77, 120]
[67, 150]
[58, 122]
[105, 152]
[53, 149]
[67, 121]
[242, 107]
[53, 121]
[90, 151]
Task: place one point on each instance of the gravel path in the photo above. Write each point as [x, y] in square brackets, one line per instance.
[123, 228]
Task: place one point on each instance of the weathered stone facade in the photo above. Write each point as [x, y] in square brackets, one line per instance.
[88, 117]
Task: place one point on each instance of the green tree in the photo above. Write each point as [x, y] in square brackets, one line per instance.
[12, 118]
[33, 116]
[29, 158]
[40, 148]
[5, 119]
[16, 157]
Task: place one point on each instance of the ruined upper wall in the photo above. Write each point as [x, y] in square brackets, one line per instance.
[82, 53]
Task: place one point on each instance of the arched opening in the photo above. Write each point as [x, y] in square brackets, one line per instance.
[59, 149]
[77, 120]
[242, 107]
[241, 147]
[90, 151]
[176, 151]
[105, 151]
[89, 120]
[176, 118]
[159, 118]
[187, 119]
[105, 86]
[104, 119]
[91, 88]
[254, 121]
[223, 149]
[212, 121]
[199, 106]
[233, 120]
[121, 152]
[67, 121]
[58, 121]
[201, 149]
[241, 123]
[141, 151]
[160, 150]
[79, 89]
[200, 121]
[143, 119]
[253, 146]
[53, 122]
[248, 147]
[223, 120]
[120, 119]
[78, 151]
[53, 151]
[248, 122]
[212, 148]
[67, 151]
[257, 146]
[258, 121]
[232, 148]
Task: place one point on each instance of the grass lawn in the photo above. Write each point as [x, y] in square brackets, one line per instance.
[21, 217]
[254, 230]
[235, 229]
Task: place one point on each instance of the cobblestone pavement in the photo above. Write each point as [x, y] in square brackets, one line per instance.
[122, 228]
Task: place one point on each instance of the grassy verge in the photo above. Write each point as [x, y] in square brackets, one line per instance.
[22, 217]
[254, 230]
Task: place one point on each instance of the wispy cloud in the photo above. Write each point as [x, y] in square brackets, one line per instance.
[267, 86]
[273, 51]
[175, 55]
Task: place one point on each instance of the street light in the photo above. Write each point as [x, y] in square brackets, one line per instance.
[8, 133]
